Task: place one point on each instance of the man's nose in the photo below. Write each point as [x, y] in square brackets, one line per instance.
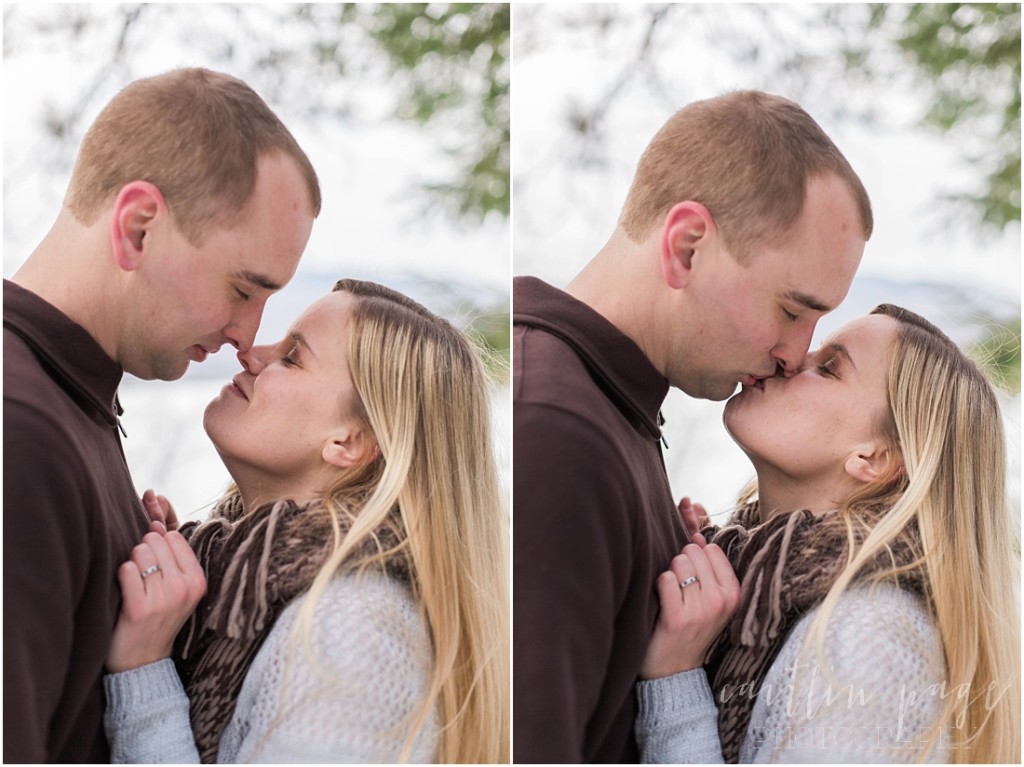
[789, 353]
[242, 331]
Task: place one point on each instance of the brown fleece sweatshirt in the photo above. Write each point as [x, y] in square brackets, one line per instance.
[71, 517]
[594, 525]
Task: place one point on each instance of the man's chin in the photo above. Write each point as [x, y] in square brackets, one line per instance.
[719, 392]
[167, 370]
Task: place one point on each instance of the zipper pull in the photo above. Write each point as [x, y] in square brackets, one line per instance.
[118, 412]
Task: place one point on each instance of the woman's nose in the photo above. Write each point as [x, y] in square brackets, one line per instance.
[253, 359]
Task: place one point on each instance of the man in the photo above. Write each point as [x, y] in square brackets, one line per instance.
[190, 203]
[743, 226]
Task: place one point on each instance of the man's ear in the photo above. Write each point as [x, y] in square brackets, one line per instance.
[137, 204]
[350, 447]
[686, 225]
[873, 461]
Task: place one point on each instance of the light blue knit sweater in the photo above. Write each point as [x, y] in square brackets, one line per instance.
[883, 650]
[351, 704]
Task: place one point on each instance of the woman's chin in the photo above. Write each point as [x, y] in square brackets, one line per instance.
[212, 423]
[730, 419]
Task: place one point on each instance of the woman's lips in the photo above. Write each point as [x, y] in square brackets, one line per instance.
[237, 390]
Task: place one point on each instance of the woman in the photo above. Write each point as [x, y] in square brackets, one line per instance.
[879, 621]
[357, 605]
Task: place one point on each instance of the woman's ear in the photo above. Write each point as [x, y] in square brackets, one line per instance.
[686, 224]
[872, 461]
[351, 447]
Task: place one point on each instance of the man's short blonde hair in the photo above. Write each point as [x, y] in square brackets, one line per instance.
[196, 135]
[745, 156]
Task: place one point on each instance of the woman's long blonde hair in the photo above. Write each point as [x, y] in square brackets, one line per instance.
[423, 393]
[944, 421]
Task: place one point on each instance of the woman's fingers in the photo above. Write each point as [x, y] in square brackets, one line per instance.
[722, 567]
[693, 518]
[145, 559]
[187, 563]
[688, 516]
[684, 570]
[164, 558]
[703, 520]
[159, 509]
[133, 592]
[160, 585]
[714, 595]
[169, 570]
[153, 507]
[695, 607]
[668, 595]
[701, 564]
[170, 518]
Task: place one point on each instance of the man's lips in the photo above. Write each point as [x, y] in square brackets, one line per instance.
[754, 382]
[200, 353]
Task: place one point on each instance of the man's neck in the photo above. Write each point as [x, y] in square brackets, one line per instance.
[617, 284]
[65, 270]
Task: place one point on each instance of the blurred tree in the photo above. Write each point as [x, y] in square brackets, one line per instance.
[966, 58]
[490, 328]
[444, 66]
[449, 66]
[999, 354]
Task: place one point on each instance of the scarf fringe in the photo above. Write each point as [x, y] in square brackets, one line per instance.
[777, 588]
[256, 563]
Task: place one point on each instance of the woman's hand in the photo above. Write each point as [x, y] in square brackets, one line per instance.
[160, 510]
[698, 596]
[694, 518]
[160, 587]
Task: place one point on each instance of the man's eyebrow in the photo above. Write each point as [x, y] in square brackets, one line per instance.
[257, 279]
[805, 300]
[301, 339]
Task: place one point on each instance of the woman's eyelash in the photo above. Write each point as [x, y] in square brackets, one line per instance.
[290, 357]
[830, 367]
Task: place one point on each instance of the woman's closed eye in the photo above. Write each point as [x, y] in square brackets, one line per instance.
[291, 359]
[830, 367]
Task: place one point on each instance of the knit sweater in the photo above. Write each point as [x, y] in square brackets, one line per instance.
[884, 652]
[350, 703]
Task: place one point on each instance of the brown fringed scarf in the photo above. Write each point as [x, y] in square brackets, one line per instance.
[785, 567]
[255, 564]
